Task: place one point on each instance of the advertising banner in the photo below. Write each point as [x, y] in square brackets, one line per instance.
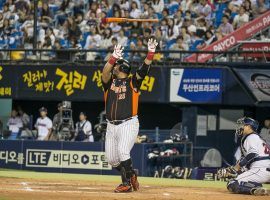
[256, 46]
[258, 82]
[196, 85]
[70, 157]
[82, 83]
[243, 33]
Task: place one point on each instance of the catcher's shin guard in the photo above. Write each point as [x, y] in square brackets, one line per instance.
[243, 187]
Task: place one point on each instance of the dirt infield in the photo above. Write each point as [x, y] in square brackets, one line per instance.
[36, 188]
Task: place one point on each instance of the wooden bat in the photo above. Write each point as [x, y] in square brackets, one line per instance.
[122, 20]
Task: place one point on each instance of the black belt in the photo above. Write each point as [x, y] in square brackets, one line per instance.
[117, 122]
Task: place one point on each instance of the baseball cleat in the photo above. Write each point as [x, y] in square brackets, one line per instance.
[134, 182]
[261, 192]
[122, 188]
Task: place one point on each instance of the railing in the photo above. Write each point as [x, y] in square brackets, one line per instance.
[163, 57]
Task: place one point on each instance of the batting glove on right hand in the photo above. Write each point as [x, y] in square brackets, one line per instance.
[118, 51]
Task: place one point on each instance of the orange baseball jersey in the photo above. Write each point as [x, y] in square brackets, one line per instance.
[122, 97]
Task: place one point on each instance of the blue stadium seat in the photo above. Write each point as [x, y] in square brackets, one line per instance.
[173, 9]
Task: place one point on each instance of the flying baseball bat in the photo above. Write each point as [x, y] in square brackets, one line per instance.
[122, 20]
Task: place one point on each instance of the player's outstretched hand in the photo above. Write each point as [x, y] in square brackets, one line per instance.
[118, 51]
[152, 45]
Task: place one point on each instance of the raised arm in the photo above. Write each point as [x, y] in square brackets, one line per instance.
[144, 69]
[106, 73]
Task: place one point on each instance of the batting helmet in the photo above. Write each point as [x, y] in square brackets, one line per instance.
[246, 121]
[124, 65]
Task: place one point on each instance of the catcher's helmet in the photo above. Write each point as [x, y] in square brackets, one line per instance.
[246, 121]
[124, 65]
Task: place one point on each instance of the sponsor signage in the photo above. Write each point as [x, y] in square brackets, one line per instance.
[258, 81]
[196, 85]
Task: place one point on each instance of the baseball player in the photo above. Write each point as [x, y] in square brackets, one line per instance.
[43, 125]
[255, 158]
[121, 93]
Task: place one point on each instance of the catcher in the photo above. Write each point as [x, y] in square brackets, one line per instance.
[255, 158]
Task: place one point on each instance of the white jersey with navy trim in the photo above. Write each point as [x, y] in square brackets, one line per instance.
[259, 171]
[43, 126]
[253, 143]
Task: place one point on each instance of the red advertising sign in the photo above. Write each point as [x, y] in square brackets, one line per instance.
[256, 46]
[243, 33]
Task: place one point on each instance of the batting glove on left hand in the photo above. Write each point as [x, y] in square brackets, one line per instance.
[152, 45]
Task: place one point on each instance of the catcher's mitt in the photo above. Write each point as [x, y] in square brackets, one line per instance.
[228, 172]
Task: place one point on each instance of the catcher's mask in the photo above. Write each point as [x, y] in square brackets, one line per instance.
[124, 66]
[244, 122]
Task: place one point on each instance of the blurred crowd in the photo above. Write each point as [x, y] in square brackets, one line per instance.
[76, 24]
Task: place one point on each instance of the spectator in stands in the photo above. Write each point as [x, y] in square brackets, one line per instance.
[197, 43]
[225, 28]
[204, 11]
[93, 9]
[210, 37]
[122, 39]
[240, 19]
[7, 10]
[83, 131]
[45, 13]
[135, 30]
[201, 27]
[185, 35]
[233, 3]
[124, 4]
[135, 12]
[172, 31]
[60, 55]
[115, 28]
[141, 47]
[43, 125]
[106, 38]
[260, 7]
[178, 19]
[265, 132]
[145, 13]
[73, 29]
[82, 24]
[158, 5]
[24, 118]
[185, 5]
[248, 7]
[160, 38]
[180, 45]
[165, 13]
[151, 13]
[14, 125]
[94, 39]
[146, 35]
